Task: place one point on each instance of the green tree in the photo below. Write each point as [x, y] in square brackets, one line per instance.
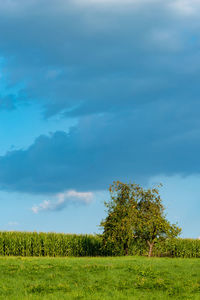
[134, 214]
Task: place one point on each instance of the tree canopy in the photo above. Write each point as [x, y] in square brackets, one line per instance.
[135, 214]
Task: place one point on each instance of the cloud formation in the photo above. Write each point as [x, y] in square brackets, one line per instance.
[104, 148]
[79, 59]
[129, 73]
[13, 224]
[63, 199]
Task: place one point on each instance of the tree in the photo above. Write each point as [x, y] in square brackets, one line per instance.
[135, 214]
[118, 225]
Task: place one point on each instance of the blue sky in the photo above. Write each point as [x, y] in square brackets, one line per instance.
[93, 91]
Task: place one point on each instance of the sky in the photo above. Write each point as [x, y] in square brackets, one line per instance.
[93, 91]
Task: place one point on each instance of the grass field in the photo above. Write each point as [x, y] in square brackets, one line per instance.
[99, 278]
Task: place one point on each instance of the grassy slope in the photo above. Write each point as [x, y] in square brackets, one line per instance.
[99, 278]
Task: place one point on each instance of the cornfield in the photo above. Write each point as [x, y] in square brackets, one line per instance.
[185, 248]
[57, 244]
[48, 244]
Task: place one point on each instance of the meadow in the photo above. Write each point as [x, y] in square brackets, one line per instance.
[99, 278]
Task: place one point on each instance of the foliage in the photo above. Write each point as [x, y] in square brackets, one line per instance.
[135, 214]
[99, 278]
[118, 226]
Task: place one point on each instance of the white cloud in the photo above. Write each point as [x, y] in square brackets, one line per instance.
[168, 40]
[11, 224]
[62, 199]
[186, 7]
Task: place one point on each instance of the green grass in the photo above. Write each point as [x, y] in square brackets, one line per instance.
[99, 278]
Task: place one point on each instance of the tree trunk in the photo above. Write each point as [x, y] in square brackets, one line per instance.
[150, 249]
[126, 248]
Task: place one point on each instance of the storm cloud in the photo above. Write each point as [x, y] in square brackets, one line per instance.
[128, 71]
[86, 57]
[101, 149]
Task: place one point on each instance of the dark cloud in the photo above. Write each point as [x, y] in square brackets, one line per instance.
[127, 146]
[86, 57]
[7, 102]
[128, 71]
